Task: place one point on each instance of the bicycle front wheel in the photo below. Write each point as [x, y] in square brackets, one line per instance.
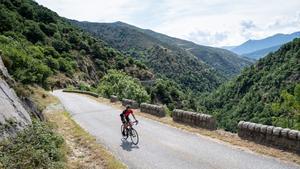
[134, 137]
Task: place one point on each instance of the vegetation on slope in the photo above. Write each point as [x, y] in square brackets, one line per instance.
[37, 44]
[250, 96]
[39, 47]
[225, 62]
[189, 73]
[165, 59]
[289, 109]
[169, 93]
[122, 85]
[35, 147]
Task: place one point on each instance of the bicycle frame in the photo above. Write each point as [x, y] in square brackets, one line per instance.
[130, 124]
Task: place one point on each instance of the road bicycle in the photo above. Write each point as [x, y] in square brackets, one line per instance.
[130, 132]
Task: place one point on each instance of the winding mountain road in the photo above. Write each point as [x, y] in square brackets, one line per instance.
[160, 146]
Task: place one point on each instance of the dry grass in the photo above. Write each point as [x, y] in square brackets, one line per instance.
[220, 136]
[83, 151]
[42, 98]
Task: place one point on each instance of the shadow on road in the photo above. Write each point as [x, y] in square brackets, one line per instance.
[128, 146]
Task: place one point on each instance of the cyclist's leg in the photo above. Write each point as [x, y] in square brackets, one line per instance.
[127, 119]
[124, 123]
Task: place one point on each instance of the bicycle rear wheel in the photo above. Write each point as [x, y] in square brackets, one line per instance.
[134, 136]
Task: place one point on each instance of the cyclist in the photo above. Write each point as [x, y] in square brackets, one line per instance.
[125, 118]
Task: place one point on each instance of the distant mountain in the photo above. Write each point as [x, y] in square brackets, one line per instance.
[225, 62]
[228, 47]
[134, 41]
[261, 53]
[250, 96]
[259, 48]
[165, 59]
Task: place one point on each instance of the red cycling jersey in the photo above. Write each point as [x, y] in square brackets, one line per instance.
[127, 112]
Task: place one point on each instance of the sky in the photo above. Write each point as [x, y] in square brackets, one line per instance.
[206, 22]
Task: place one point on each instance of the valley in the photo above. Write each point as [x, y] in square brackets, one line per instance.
[42, 52]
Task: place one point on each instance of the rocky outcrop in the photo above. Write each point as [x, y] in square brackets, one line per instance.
[270, 135]
[13, 116]
[31, 107]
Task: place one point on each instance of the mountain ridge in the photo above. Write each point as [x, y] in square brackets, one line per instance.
[225, 62]
[268, 44]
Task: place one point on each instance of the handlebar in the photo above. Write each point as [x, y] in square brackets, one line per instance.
[135, 122]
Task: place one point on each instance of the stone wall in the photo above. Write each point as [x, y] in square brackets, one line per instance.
[81, 92]
[195, 119]
[113, 98]
[153, 109]
[133, 104]
[270, 135]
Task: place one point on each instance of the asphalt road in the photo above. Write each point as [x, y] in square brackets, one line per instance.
[160, 146]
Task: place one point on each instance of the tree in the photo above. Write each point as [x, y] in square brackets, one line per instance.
[33, 32]
[289, 108]
[26, 10]
[48, 29]
[45, 15]
[122, 85]
[8, 20]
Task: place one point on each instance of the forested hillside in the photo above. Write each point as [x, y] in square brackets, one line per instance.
[40, 47]
[225, 62]
[200, 69]
[266, 92]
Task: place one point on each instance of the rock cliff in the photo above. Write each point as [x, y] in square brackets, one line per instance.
[13, 116]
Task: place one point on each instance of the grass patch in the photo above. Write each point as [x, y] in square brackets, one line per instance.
[84, 151]
[37, 146]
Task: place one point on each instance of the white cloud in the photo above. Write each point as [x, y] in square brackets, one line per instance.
[207, 22]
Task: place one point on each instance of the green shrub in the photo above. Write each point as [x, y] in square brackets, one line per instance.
[124, 86]
[8, 19]
[35, 147]
[84, 87]
[48, 29]
[33, 32]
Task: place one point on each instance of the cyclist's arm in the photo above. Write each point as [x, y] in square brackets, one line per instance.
[133, 117]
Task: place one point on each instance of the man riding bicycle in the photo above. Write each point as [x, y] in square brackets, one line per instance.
[125, 118]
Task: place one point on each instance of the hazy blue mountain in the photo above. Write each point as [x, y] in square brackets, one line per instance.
[271, 43]
[261, 53]
[228, 47]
